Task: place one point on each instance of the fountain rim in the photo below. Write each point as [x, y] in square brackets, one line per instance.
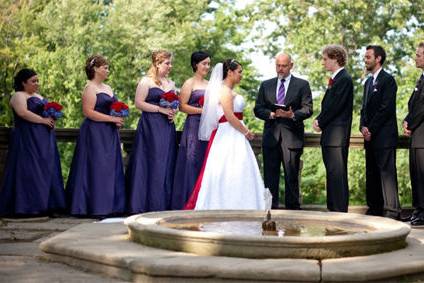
[385, 231]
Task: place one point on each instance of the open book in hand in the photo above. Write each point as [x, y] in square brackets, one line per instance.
[280, 106]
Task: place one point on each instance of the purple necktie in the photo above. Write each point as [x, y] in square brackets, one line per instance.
[281, 92]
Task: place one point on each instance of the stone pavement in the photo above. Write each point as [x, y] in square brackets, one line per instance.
[22, 261]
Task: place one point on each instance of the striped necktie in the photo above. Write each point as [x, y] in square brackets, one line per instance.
[281, 92]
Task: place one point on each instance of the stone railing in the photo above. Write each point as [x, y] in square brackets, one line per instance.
[127, 137]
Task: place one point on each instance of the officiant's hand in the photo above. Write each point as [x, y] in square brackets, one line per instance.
[289, 114]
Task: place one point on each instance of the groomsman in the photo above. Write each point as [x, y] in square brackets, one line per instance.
[335, 122]
[379, 127]
[413, 126]
[283, 103]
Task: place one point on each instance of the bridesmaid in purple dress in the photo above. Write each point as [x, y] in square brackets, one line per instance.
[32, 183]
[191, 151]
[96, 183]
[151, 165]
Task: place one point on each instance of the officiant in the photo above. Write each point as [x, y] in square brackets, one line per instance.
[283, 103]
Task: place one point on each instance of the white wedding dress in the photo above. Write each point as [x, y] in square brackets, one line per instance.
[231, 178]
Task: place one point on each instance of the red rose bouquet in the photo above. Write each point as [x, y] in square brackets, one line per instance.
[169, 100]
[119, 109]
[201, 101]
[52, 109]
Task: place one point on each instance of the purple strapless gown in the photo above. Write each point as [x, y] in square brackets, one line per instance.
[151, 165]
[32, 183]
[190, 156]
[96, 183]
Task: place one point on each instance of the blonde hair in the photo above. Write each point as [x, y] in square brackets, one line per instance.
[157, 57]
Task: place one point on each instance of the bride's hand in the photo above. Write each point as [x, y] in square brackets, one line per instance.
[249, 135]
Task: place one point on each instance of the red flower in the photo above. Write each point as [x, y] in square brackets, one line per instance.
[330, 82]
[118, 106]
[56, 106]
[201, 101]
[169, 96]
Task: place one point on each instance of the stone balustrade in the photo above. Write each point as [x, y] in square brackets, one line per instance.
[127, 137]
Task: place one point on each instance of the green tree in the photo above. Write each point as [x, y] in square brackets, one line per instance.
[56, 37]
[303, 28]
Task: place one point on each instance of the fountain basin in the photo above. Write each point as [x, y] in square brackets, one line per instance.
[362, 235]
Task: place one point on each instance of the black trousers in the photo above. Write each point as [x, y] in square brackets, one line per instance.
[416, 169]
[381, 181]
[335, 161]
[290, 158]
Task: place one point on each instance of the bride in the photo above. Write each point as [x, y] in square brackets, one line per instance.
[230, 177]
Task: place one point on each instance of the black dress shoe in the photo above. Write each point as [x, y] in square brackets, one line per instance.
[374, 212]
[419, 221]
[409, 218]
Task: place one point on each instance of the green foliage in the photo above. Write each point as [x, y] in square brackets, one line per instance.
[303, 28]
[56, 37]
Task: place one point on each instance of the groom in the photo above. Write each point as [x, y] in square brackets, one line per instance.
[283, 103]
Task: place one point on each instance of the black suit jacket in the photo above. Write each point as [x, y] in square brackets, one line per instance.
[378, 111]
[299, 98]
[335, 119]
[415, 117]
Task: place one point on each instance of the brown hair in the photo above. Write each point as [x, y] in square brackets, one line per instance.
[157, 58]
[378, 52]
[337, 52]
[94, 61]
[421, 44]
[229, 65]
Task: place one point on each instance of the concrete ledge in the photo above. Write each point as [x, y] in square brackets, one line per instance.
[376, 267]
[105, 248]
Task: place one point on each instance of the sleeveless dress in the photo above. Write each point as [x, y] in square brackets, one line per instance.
[32, 183]
[96, 182]
[190, 156]
[230, 177]
[151, 165]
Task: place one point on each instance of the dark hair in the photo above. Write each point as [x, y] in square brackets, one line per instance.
[378, 52]
[227, 65]
[21, 77]
[197, 57]
[421, 44]
[336, 52]
[94, 61]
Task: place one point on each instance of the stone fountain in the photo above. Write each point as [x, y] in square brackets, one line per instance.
[230, 246]
[291, 234]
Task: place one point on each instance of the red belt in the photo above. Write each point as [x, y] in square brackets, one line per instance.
[239, 115]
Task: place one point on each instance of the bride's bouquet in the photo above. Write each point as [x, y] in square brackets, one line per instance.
[52, 110]
[169, 100]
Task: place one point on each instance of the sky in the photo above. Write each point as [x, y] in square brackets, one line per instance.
[264, 64]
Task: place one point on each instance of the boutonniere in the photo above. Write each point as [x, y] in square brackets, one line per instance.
[374, 87]
[330, 82]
